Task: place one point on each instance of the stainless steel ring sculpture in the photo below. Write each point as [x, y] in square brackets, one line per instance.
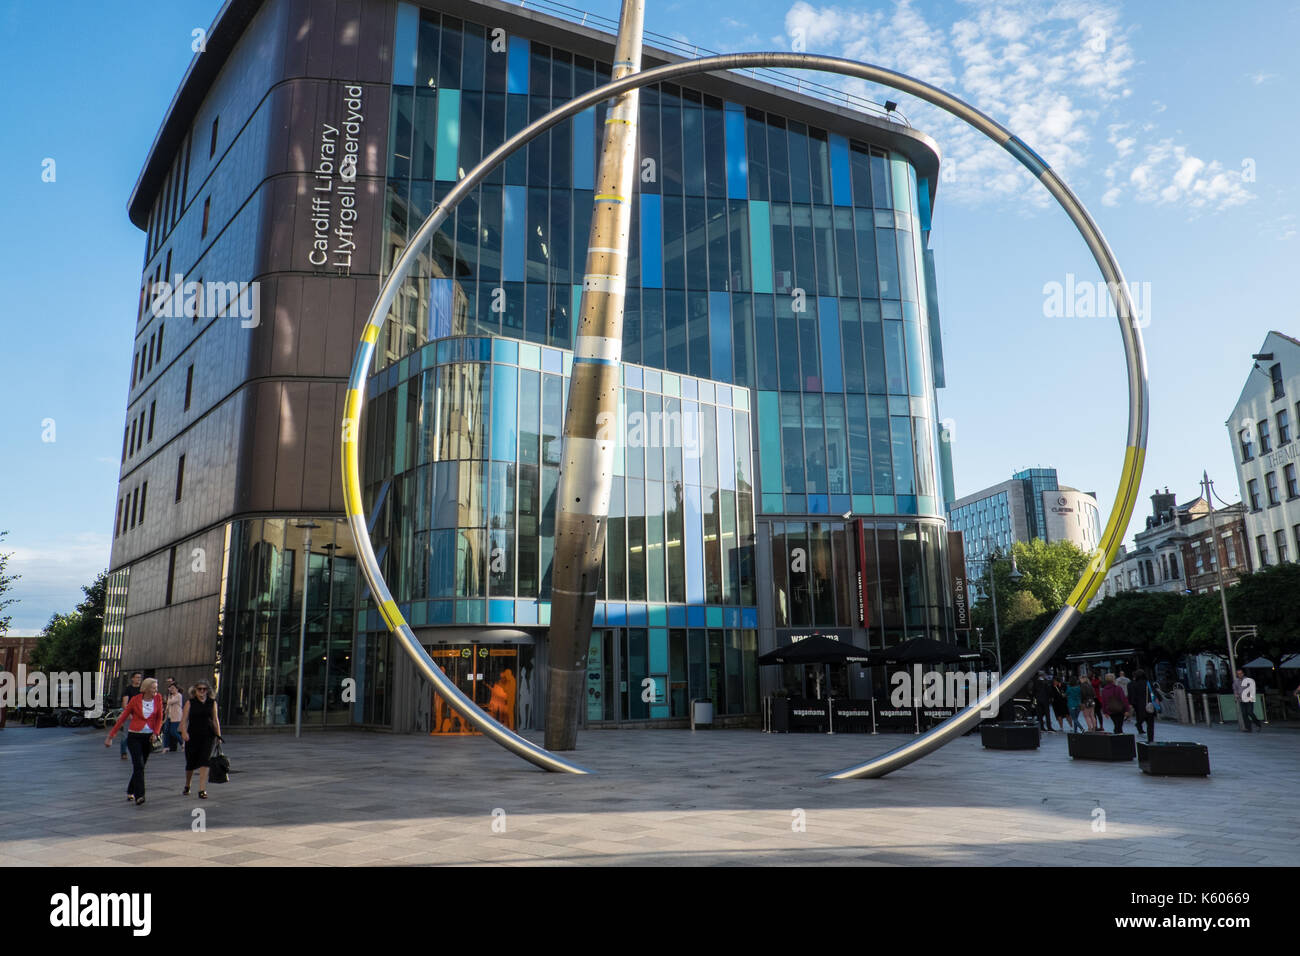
[1135, 358]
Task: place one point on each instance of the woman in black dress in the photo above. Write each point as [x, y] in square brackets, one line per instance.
[200, 727]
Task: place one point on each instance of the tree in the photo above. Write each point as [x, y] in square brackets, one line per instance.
[1049, 572]
[70, 642]
[1270, 600]
[1022, 606]
[6, 584]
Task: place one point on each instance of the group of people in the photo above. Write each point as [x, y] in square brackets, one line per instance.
[1096, 697]
[149, 717]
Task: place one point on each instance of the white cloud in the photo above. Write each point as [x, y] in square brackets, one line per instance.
[52, 574]
[1058, 74]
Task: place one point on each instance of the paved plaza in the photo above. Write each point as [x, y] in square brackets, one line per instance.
[665, 798]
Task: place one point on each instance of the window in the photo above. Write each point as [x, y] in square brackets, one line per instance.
[212, 146]
[1270, 480]
[1261, 545]
[1292, 486]
[158, 354]
[1173, 566]
[1279, 538]
[189, 387]
[153, 407]
[1283, 428]
[1265, 445]
[180, 476]
[1247, 444]
[171, 575]
[1164, 567]
[1200, 560]
[135, 504]
[144, 493]
[1252, 486]
[117, 523]
[1275, 373]
[126, 434]
[1230, 542]
[207, 208]
[149, 352]
[1295, 533]
[131, 447]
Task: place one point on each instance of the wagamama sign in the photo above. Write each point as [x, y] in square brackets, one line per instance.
[334, 188]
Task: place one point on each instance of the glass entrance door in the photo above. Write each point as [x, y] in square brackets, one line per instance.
[487, 675]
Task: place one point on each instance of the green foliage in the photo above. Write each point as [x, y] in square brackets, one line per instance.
[1022, 606]
[71, 642]
[1049, 572]
[1269, 599]
[6, 583]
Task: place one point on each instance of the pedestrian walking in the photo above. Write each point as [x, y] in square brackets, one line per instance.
[1088, 702]
[1060, 703]
[132, 689]
[1043, 701]
[1114, 703]
[200, 728]
[1074, 703]
[1096, 700]
[1243, 688]
[1142, 698]
[172, 725]
[143, 718]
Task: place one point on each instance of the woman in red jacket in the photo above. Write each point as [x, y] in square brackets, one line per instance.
[143, 717]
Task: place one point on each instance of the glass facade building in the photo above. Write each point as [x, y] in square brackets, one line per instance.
[780, 468]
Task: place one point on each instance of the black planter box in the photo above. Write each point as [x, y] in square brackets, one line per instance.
[1099, 746]
[1174, 759]
[1015, 735]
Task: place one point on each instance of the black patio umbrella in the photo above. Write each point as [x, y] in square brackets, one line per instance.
[923, 650]
[816, 650]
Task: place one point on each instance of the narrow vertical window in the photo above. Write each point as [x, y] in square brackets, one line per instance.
[171, 575]
[180, 476]
[135, 504]
[153, 407]
[207, 208]
[144, 493]
[131, 448]
[212, 146]
[158, 355]
[189, 386]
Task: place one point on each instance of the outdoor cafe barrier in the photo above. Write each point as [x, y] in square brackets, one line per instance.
[783, 715]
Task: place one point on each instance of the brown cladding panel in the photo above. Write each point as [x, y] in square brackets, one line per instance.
[375, 56]
[319, 451]
[309, 323]
[321, 39]
[347, 38]
[293, 444]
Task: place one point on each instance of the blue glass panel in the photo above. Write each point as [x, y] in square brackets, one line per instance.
[720, 335]
[504, 391]
[652, 252]
[514, 237]
[501, 612]
[839, 504]
[818, 505]
[448, 135]
[525, 612]
[676, 616]
[517, 66]
[598, 618]
[749, 617]
[916, 380]
[441, 612]
[404, 45]
[469, 612]
[636, 615]
[505, 350]
[923, 194]
[440, 307]
[694, 545]
[696, 616]
[737, 167]
[841, 176]
[731, 617]
[615, 614]
[904, 469]
[584, 156]
[906, 504]
[828, 317]
[760, 245]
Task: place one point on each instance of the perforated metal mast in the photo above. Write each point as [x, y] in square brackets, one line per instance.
[590, 437]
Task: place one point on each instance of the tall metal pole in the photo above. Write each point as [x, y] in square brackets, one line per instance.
[1223, 593]
[997, 633]
[590, 433]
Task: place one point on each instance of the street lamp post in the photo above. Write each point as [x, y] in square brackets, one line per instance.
[1223, 593]
[993, 587]
[307, 527]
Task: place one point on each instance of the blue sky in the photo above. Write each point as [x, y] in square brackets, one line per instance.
[1191, 174]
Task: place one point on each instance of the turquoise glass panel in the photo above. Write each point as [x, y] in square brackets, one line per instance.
[514, 236]
[652, 251]
[841, 176]
[769, 443]
[505, 388]
[760, 245]
[584, 155]
[713, 617]
[445, 164]
[658, 650]
[501, 612]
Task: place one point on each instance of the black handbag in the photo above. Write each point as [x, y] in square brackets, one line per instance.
[218, 765]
